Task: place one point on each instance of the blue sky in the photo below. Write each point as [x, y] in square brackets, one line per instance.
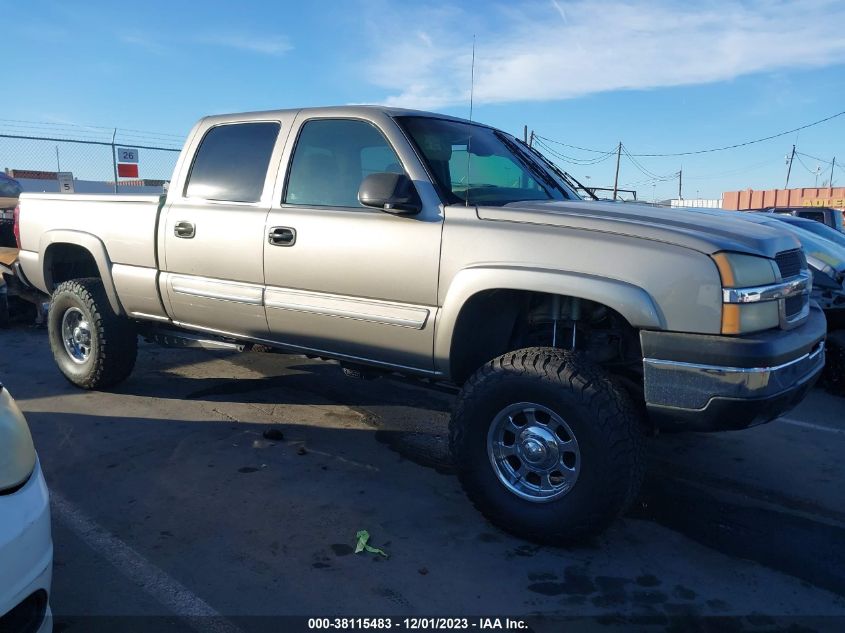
[659, 76]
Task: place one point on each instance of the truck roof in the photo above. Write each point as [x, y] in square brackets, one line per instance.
[341, 111]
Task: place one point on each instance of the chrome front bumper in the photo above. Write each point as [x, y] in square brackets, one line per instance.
[710, 382]
[692, 386]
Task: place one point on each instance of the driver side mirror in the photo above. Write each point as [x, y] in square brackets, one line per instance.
[391, 193]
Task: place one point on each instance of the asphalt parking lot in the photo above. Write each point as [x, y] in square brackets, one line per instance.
[168, 501]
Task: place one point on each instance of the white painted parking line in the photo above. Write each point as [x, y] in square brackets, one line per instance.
[810, 425]
[156, 583]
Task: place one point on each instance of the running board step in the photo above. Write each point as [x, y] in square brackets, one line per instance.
[184, 339]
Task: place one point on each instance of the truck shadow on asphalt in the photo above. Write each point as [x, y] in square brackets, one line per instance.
[412, 420]
[215, 501]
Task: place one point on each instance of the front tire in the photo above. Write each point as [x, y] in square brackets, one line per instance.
[547, 446]
[93, 347]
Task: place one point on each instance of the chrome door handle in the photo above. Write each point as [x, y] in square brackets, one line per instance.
[184, 230]
[282, 236]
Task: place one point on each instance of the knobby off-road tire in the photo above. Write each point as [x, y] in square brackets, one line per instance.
[93, 347]
[583, 420]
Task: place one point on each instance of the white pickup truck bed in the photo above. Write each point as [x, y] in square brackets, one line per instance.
[125, 224]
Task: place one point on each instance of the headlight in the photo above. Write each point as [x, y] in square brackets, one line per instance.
[747, 271]
[17, 454]
[749, 317]
[743, 271]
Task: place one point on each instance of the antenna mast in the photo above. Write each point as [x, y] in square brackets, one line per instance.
[469, 139]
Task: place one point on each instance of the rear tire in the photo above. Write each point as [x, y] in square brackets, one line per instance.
[547, 446]
[93, 347]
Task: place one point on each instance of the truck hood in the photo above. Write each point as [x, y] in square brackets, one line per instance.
[707, 231]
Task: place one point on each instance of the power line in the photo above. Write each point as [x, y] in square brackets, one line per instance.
[713, 149]
[647, 172]
[821, 160]
[803, 164]
[647, 181]
[573, 159]
[735, 172]
[583, 149]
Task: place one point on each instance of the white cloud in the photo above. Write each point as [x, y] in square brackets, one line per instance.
[143, 41]
[250, 42]
[557, 49]
[240, 40]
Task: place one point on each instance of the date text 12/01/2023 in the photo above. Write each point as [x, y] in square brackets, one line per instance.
[417, 623]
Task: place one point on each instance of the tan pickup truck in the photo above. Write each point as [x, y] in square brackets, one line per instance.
[402, 241]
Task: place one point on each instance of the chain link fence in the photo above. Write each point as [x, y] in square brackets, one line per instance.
[36, 153]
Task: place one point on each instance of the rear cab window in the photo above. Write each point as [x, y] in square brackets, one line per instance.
[232, 161]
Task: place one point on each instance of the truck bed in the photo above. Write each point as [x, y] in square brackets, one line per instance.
[125, 224]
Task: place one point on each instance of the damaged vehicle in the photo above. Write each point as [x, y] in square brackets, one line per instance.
[392, 240]
[824, 248]
[26, 542]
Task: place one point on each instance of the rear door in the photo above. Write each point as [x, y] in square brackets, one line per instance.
[340, 277]
[213, 230]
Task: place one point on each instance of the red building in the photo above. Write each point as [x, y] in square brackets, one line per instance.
[833, 197]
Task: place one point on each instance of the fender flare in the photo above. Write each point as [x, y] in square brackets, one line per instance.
[632, 302]
[91, 243]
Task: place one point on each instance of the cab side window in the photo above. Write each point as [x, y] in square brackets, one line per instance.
[332, 157]
[818, 216]
[231, 162]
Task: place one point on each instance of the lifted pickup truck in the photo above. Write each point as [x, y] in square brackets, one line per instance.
[402, 241]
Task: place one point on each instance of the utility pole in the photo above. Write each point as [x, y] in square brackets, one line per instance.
[680, 184]
[616, 179]
[832, 165]
[789, 168]
[531, 139]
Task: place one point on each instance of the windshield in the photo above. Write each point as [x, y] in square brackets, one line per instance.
[479, 165]
[822, 230]
[831, 254]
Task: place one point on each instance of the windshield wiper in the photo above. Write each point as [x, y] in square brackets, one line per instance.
[530, 164]
[566, 177]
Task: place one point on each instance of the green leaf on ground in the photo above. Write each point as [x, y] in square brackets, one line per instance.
[363, 536]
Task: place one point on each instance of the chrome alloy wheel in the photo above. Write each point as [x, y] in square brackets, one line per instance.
[533, 452]
[76, 335]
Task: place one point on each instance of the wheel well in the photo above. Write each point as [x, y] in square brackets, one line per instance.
[493, 322]
[63, 262]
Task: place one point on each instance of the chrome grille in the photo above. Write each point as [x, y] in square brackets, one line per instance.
[790, 263]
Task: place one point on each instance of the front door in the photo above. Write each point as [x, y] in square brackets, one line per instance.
[340, 277]
[214, 232]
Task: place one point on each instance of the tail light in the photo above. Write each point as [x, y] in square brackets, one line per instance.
[17, 229]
